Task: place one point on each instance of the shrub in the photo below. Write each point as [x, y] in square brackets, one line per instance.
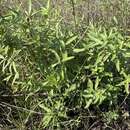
[82, 76]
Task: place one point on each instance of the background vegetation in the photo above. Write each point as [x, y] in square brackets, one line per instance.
[64, 64]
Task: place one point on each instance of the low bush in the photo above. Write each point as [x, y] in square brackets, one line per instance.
[60, 78]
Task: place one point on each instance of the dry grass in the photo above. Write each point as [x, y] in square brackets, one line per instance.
[95, 11]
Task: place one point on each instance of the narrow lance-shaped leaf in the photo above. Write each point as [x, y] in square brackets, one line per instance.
[29, 7]
[48, 5]
[69, 41]
[118, 65]
[70, 89]
[46, 120]
[66, 57]
[78, 50]
[115, 20]
[127, 87]
[57, 57]
[88, 103]
[90, 84]
[16, 76]
[127, 54]
[97, 82]
[45, 108]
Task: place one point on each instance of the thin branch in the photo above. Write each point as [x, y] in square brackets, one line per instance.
[21, 95]
[74, 12]
[20, 108]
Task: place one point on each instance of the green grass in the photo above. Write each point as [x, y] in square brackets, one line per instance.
[63, 70]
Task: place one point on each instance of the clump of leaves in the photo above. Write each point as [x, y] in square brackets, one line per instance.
[78, 75]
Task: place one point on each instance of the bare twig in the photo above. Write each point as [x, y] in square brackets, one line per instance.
[93, 125]
[21, 95]
[20, 108]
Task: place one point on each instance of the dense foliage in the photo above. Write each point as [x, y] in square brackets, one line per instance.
[61, 78]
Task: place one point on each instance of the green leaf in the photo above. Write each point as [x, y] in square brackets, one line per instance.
[118, 65]
[127, 54]
[7, 78]
[45, 108]
[66, 58]
[99, 59]
[70, 89]
[91, 45]
[52, 80]
[56, 56]
[90, 84]
[14, 67]
[88, 103]
[71, 40]
[46, 120]
[15, 77]
[45, 83]
[115, 20]
[48, 5]
[2, 57]
[97, 82]
[87, 95]
[29, 7]
[94, 39]
[125, 83]
[77, 50]
[127, 88]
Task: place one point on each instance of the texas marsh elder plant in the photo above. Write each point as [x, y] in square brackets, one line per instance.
[94, 74]
[82, 77]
